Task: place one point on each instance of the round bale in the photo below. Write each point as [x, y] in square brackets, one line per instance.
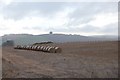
[16, 47]
[57, 50]
[51, 50]
[21, 47]
[27, 47]
[47, 48]
[32, 47]
[24, 47]
[38, 48]
[41, 48]
[44, 47]
[35, 47]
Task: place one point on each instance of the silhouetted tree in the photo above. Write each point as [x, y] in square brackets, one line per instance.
[51, 32]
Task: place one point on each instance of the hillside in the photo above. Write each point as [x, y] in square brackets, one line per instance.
[28, 39]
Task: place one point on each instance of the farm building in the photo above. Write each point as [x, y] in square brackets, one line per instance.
[8, 43]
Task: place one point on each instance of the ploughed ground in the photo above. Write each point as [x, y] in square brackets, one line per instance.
[77, 60]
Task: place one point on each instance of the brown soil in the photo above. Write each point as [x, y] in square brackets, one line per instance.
[77, 60]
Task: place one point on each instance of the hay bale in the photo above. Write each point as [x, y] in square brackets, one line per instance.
[24, 47]
[32, 48]
[51, 50]
[27, 47]
[57, 50]
[49, 42]
[21, 47]
[38, 48]
[35, 47]
[47, 48]
[17, 47]
[41, 48]
[44, 47]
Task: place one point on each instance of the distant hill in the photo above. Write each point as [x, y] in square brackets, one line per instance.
[27, 39]
[106, 37]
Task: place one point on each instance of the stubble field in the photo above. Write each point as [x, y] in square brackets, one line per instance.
[77, 60]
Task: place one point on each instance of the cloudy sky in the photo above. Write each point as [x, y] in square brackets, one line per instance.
[84, 18]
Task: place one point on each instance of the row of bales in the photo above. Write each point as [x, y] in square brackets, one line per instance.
[50, 49]
[49, 42]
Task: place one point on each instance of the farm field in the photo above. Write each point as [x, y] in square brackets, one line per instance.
[77, 60]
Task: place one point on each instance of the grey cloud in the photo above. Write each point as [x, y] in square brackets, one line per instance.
[82, 20]
[108, 29]
[18, 10]
[85, 12]
[35, 28]
[89, 28]
[86, 29]
[111, 28]
[88, 9]
[3, 28]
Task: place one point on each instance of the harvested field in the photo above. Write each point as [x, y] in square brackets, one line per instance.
[77, 60]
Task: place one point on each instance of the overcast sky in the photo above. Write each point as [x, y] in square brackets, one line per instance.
[84, 18]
